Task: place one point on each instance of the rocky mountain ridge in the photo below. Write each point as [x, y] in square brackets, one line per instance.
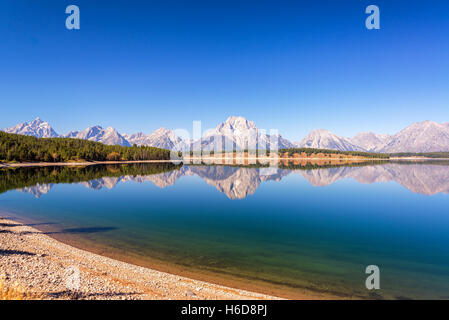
[238, 133]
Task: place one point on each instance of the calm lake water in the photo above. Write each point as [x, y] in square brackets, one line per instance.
[289, 231]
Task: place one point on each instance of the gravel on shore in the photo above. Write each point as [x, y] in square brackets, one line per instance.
[49, 269]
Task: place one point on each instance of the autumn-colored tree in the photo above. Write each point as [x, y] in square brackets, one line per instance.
[113, 156]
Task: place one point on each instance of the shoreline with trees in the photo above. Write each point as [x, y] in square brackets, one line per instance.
[25, 151]
[20, 148]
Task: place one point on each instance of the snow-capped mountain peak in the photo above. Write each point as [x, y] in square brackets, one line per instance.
[325, 139]
[37, 128]
[238, 133]
[91, 133]
[236, 123]
[163, 131]
[161, 138]
[110, 136]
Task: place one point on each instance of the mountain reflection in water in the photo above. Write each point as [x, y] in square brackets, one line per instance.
[297, 229]
[238, 182]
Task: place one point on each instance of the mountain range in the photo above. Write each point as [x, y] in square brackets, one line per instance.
[239, 133]
[161, 138]
[96, 133]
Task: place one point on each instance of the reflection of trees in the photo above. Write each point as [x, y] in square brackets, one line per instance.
[15, 178]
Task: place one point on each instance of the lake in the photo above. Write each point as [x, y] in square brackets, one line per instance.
[293, 231]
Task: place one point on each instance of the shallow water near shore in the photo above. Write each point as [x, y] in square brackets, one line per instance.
[293, 231]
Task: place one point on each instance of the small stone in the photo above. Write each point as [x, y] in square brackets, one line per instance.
[190, 293]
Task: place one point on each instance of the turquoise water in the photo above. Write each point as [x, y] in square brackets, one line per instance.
[288, 232]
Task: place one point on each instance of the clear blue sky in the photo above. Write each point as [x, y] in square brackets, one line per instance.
[290, 65]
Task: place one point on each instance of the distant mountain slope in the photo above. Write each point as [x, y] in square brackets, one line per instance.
[36, 128]
[110, 136]
[371, 141]
[71, 134]
[426, 136]
[138, 138]
[161, 138]
[324, 139]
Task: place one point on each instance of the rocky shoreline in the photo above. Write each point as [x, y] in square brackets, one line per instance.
[44, 268]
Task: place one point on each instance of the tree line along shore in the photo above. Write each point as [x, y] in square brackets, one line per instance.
[20, 148]
[15, 148]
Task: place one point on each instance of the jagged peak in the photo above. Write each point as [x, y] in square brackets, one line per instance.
[37, 122]
[111, 129]
[237, 122]
[236, 119]
[94, 127]
[37, 128]
[162, 130]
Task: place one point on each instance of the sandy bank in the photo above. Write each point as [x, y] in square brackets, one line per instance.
[45, 267]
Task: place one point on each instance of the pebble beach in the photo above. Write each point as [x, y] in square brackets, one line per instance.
[43, 268]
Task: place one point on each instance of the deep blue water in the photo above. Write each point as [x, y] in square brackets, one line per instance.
[290, 233]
